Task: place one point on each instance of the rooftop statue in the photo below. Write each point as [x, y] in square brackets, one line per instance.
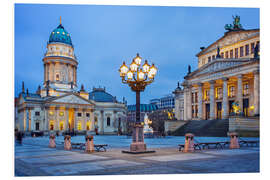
[236, 24]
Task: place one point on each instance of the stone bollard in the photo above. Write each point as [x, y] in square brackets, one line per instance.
[52, 141]
[189, 143]
[89, 144]
[234, 144]
[67, 144]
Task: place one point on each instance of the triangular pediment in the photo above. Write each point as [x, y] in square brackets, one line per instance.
[71, 99]
[218, 65]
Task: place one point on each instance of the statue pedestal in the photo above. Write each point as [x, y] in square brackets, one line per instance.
[138, 146]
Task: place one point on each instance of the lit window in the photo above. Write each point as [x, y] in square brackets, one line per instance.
[247, 49]
[51, 125]
[241, 51]
[57, 77]
[231, 54]
[245, 89]
[206, 95]
[57, 32]
[79, 126]
[231, 91]
[61, 113]
[51, 113]
[88, 125]
[63, 33]
[219, 93]
[227, 54]
[236, 52]
[61, 126]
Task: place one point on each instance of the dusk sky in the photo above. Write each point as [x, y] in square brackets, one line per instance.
[105, 36]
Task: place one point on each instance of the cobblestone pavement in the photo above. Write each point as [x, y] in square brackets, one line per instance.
[37, 160]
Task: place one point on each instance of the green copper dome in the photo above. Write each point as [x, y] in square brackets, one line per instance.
[60, 35]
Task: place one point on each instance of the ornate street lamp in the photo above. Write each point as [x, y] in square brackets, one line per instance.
[137, 78]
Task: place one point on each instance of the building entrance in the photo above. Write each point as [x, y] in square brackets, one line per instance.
[245, 107]
[219, 110]
[231, 107]
[71, 119]
[207, 111]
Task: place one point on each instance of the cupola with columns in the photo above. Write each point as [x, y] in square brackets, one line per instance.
[60, 63]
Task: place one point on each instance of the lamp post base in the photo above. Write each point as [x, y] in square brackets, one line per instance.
[138, 146]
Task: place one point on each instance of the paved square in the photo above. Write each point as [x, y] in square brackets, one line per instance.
[178, 157]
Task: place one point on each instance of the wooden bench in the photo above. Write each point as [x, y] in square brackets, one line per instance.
[217, 145]
[196, 146]
[98, 147]
[248, 143]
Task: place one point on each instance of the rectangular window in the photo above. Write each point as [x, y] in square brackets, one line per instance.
[196, 97]
[209, 59]
[206, 95]
[258, 43]
[79, 114]
[87, 114]
[37, 113]
[252, 47]
[247, 49]
[231, 91]
[231, 54]
[108, 121]
[241, 51]
[213, 57]
[245, 89]
[222, 55]
[236, 53]
[227, 54]
[37, 126]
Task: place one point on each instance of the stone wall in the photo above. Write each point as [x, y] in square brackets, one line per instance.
[171, 125]
[246, 126]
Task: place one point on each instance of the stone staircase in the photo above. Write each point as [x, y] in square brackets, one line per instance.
[214, 128]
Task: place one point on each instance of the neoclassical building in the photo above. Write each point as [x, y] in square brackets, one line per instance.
[59, 105]
[228, 73]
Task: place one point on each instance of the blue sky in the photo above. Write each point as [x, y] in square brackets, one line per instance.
[105, 36]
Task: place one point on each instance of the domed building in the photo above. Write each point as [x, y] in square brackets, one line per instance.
[58, 105]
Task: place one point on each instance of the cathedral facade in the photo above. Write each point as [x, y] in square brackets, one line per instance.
[59, 105]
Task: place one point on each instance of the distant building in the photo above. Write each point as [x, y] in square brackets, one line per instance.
[165, 102]
[144, 108]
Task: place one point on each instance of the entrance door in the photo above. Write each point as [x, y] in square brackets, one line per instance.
[231, 107]
[245, 107]
[71, 119]
[207, 111]
[219, 110]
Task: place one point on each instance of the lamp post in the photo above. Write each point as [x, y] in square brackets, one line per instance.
[137, 77]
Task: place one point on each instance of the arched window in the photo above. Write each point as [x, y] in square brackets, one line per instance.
[108, 121]
[57, 77]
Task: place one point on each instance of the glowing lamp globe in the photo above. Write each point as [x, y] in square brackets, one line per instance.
[140, 75]
[137, 59]
[133, 66]
[129, 75]
[123, 70]
[146, 67]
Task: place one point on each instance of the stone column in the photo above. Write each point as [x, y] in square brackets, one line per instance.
[24, 119]
[200, 100]
[92, 120]
[115, 122]
[29, 119]
[102, 122]
[46, 124]
[45, 72]
[212, 99]
[57, 118]
[66, 116]
[185, 102]
[53, 74]
[225, 99]
[256, 92]
[240, 92]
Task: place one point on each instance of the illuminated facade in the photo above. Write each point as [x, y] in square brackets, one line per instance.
[58, 105]
[228, 72]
